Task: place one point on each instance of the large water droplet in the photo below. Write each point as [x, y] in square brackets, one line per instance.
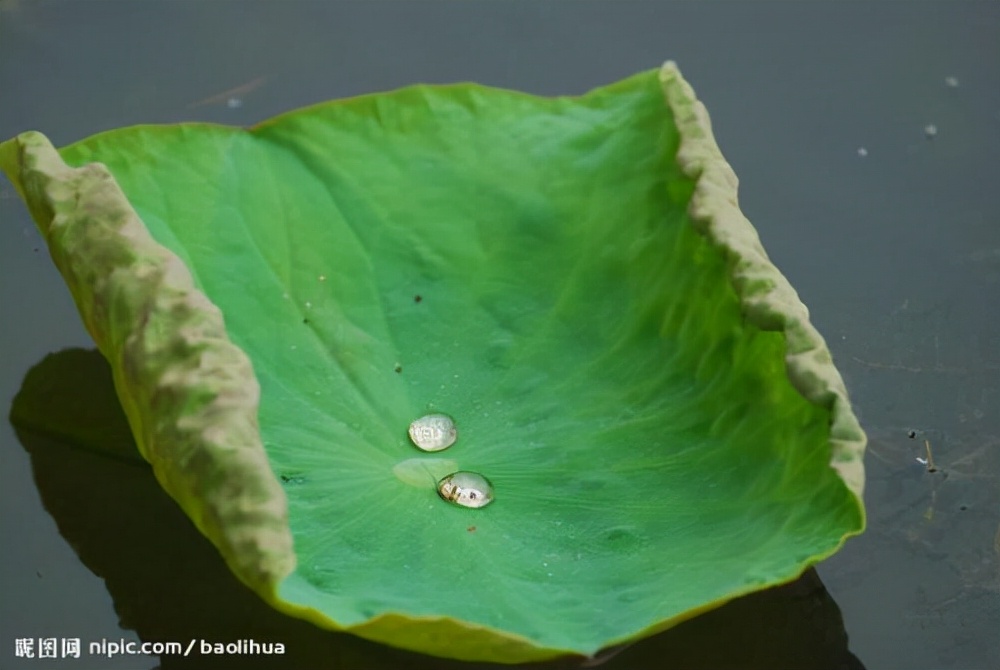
[467, 489]
[433, 432]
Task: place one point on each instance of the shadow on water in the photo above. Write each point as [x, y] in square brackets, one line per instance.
[169, 584]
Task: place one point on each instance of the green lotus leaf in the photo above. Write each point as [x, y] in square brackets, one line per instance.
[570, 279]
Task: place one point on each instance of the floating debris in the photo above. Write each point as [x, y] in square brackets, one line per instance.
[231, 97]
[928, 462]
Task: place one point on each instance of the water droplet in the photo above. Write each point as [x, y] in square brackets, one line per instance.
[951, 82]
[308, 305]
[930, 131]
[234, 103]
[862, 152]
[322, 277]
[433, 432]
[466, 489]
[422, 471]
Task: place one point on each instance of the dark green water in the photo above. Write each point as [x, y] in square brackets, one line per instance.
[896, 253]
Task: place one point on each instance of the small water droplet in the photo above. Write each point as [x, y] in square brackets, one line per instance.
[322, 277]
[294, 347]
[930, 131]
[951, 82]
[308, 305]
[466, 489]
[862, 152]
[433, 432]
[234, 103]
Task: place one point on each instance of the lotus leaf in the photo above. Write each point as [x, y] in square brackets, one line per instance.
[570, 279]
